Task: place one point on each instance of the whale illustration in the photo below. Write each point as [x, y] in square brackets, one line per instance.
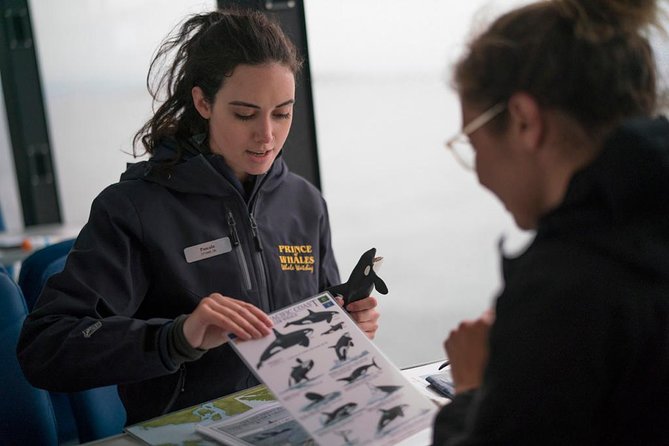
[363, 279]
[313, 317]
[389, 415]
[316, 399]
[299, 372]
[270, 434]
[342, 345]
[284, 341]
[385, 389]
[360, 371]
[340, 413]
[334, 328]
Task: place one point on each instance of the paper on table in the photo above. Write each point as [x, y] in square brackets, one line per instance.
[267, 425]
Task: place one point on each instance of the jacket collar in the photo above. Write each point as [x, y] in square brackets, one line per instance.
[195, 174]
[625, 187]
[629, 178]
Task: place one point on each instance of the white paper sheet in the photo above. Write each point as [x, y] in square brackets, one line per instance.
[333, 380]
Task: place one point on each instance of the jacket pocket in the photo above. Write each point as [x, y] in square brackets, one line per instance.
[244, 267]
[239, 251]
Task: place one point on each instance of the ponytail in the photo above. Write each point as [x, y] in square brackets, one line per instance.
[600, 20]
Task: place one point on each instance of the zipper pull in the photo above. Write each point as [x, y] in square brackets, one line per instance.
[183, 378]
[254, 230]
[233, 229]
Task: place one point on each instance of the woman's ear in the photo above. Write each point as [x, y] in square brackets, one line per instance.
[201, 103]
[527, 123]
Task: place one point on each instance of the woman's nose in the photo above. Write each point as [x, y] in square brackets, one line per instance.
[264, 132]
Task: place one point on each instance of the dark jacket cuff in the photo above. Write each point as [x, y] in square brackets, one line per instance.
[174, 347]
[450, 421]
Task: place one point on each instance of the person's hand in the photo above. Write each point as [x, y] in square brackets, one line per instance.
[467, 351]
[364, 313]
[216, 315]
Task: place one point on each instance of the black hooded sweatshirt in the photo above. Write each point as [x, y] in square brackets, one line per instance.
[579, 351]
[155, 244]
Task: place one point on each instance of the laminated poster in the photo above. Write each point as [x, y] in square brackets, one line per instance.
[333, 380]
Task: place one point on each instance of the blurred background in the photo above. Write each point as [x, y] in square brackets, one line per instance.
[380, 73]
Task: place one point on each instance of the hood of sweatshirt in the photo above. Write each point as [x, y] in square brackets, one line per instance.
[197, 173]
[627, 186]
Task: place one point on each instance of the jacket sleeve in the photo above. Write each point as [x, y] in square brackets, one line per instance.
[329, 272]
[82, 332]
[546, 373]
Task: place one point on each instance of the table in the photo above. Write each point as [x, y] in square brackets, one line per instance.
[414, 374]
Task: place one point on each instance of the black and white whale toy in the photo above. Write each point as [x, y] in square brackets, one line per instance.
[363, 279]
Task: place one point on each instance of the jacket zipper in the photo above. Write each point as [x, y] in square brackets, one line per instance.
[178, 389]
[263, 278]
[239, 251]
[261, 261]
[254, 231]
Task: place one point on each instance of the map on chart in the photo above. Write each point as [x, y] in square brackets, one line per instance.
[178, 428]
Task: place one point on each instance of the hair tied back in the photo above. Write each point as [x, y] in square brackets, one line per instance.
[602, 20]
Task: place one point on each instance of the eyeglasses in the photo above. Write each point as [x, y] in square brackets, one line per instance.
[461, 146]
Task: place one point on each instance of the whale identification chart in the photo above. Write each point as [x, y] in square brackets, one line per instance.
[332, 379]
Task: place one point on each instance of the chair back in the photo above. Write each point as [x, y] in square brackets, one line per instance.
[93, 413]
[33, 266]
[31, 283]
[26, 414]
[98, 412]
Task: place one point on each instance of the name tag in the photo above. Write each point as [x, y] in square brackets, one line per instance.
[207, 249]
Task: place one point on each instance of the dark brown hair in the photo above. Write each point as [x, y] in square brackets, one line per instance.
[203, 51]
[588, 58]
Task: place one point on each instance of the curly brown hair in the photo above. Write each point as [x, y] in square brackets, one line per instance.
[202, 52]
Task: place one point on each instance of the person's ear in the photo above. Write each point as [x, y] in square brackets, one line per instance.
[201, 103]
[526, 121]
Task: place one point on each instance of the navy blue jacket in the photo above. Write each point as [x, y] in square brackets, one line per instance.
[103, 319]
[579, 351]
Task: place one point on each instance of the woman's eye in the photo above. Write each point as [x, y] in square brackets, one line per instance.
[282, 115]
[244, 117]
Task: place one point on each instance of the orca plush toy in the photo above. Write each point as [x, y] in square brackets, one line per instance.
[363, 279]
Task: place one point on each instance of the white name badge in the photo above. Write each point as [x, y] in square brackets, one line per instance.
[207, 249]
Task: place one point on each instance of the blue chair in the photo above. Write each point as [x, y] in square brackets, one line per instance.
[33, 267]
[99, 413]
[9, 268]
[26, 414]
[90, 414]
[31, 282]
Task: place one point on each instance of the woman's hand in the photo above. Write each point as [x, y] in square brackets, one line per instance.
[216, 315]
[364, 313]
[467, 350]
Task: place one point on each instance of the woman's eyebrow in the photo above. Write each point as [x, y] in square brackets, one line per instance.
[248, 104]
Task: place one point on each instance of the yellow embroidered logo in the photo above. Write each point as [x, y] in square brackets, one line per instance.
[296, 258]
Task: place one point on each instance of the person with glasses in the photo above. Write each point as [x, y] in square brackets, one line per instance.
[560, 108]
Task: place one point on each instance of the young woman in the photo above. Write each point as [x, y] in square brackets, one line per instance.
[205, 238]
[558, 101]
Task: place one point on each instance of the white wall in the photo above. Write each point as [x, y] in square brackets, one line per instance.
[383, 110]
[93, 56]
